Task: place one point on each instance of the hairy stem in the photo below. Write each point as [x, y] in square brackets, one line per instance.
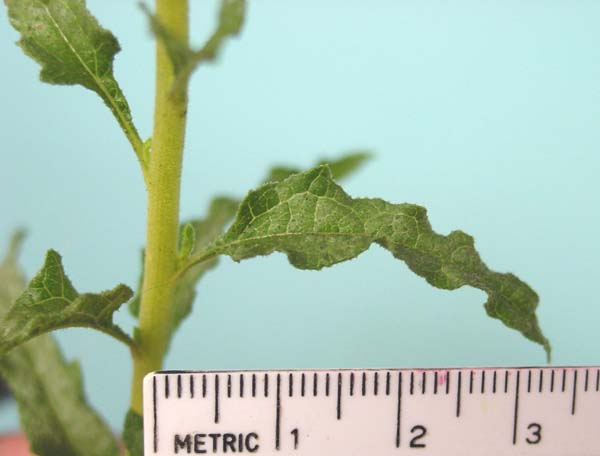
[164, 175]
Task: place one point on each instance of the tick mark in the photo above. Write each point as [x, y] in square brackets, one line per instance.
[471, 375]
[387, 383]
[364, 384]
[574, 400]
[516, 413]
[458, 391]
[482, 382]
[339, 396]
[266, 385]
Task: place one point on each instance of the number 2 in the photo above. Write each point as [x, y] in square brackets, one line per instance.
[421, 432]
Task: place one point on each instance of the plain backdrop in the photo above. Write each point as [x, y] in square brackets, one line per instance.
[485, 112]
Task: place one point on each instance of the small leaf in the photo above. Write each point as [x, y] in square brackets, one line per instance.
[184, 59]
[187, 241]
[316, 224]
[205, 231]
[220, 213]
[73, 49]
[340, 168]
[54, 414]
[133, 433]
[51, 302]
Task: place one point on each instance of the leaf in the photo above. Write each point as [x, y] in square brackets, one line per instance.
[51, 302]
[221, 211]
[187, 241]
[183, 58]
[178, 50]
[12, 280]
[316, 224]
[205, 231]
[73, 49]
[133, 433]
[340, 168]
[54, 414]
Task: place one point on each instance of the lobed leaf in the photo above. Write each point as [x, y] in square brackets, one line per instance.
[51, 302]
[73, 49]
[54, 414]
[197, 235]
[316, 224]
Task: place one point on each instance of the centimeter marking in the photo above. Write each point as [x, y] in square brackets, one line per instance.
[173, 387]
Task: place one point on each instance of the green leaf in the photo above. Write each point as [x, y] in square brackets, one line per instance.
[220, 213]
[53, 409]
[196, 235]
[340, 168]
[51, 302]
[179, 52]
[316, 224]
[48, 390]
[183, 58]
[205, 231]
[133, 433]
[73, 49]
[187, 241]
[12, 280]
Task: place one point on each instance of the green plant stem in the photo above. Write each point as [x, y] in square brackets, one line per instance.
[164, 176]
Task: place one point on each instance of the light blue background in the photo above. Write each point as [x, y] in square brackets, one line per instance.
[485, 112]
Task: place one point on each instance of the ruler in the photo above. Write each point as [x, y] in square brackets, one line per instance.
[543, 411]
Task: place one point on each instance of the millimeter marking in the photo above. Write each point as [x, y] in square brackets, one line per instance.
[505, 411]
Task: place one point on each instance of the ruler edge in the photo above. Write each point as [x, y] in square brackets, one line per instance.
[366, 369]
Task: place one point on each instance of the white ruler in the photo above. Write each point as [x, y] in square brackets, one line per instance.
[543, 411]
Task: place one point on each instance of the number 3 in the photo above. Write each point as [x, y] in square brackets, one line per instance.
[536, 434]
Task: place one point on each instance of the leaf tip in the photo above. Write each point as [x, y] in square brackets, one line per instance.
[547, 350]
[15, 244]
